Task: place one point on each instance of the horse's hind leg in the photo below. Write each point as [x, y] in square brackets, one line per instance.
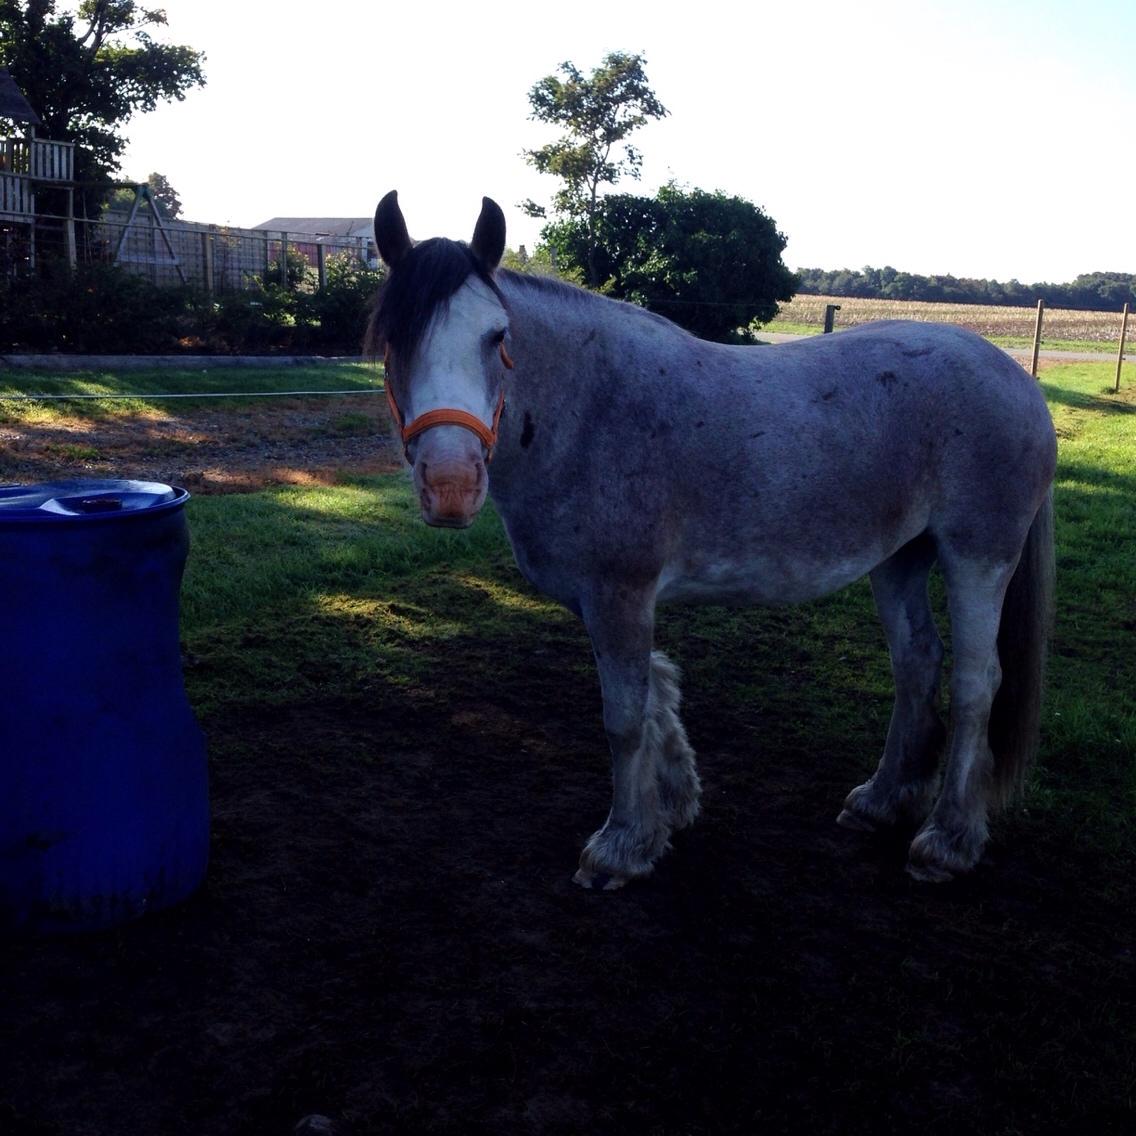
[653, 779]
[903, 787]
[954, 835]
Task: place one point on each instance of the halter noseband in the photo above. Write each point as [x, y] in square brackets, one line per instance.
[448, 416]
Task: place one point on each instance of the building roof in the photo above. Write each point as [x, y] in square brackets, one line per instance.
[12, 101]
[320, 226]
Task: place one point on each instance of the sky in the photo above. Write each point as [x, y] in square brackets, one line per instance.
[983, 138]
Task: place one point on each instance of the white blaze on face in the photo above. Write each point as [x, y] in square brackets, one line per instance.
[450, 369]
[450, 373]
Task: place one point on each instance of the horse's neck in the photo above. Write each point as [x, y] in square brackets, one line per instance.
[538, 316]
[555, 370]
[561, 336]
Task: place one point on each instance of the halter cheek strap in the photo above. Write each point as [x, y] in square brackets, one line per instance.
[450, 416]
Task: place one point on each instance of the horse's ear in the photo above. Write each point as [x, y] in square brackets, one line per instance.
[391, 237]
[489, 234]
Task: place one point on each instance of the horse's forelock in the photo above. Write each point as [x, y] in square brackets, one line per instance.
[423, 283]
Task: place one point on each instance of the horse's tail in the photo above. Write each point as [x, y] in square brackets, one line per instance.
[1027, 614]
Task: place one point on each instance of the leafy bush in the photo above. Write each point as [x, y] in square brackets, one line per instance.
[710, 262]
[258, 321]
[337, 313]
[93, 310]
[299, 275]
[103, 310]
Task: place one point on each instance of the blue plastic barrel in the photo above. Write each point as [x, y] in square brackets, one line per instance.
[104, 806]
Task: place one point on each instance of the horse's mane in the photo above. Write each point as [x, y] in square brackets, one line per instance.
[434, 270]
[572, 293]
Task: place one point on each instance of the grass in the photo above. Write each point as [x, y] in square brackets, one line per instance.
[74, 451]
[295, 589]
[1088, 771]
[251, 381]
[351, 424]
[297, 544]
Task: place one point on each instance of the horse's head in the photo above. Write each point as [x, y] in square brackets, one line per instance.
[441, 325]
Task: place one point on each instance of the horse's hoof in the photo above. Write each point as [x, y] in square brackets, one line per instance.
[316, 1125]
[598, 881]
[929, 873]
[937, 855]
[855, 821]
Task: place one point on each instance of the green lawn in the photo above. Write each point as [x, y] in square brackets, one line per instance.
[247, 382]
[1087, 778]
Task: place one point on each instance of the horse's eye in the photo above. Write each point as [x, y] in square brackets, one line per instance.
[499, 336]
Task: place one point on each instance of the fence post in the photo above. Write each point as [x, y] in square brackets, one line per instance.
[830, 311]
[321, 265]
[207, 261]
[283, 260]
[69, 231]
[1120, 353]
[1037, 338]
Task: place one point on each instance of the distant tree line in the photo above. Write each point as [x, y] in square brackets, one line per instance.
[1091, 291]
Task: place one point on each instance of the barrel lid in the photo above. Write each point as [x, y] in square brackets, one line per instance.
[86, 500]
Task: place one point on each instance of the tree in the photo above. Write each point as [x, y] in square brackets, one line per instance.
[1108, 291]
[165, 195]
[597, 114]
[708, 261]
[536, 263]
[87, 72]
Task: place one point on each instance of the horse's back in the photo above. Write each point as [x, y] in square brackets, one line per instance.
[880, 397]
[891, 356]
[823, 457]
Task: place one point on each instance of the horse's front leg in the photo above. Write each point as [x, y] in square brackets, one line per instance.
[636, 831]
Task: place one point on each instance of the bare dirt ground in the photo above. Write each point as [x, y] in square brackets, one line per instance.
[388, 934]
[218, 448]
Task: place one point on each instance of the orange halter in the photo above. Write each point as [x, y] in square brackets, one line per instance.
[449, 416]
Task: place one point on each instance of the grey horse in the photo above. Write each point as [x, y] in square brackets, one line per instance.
[633, 464]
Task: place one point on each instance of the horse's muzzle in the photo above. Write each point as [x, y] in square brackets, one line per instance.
[451, 493]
